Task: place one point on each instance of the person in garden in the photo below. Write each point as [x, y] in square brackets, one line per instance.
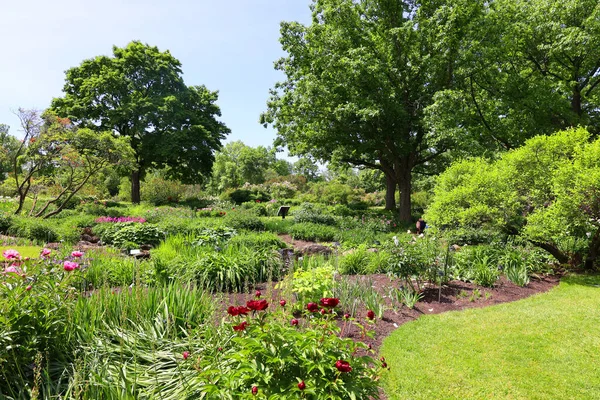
[421, 224]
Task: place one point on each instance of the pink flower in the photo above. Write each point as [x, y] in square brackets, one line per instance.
[254, 390]
[186, 354]
[28, 288]
[46, 252]
[70, 266]
[257, 294]
[13, 269]
[282, 303]
[11, 254]
[294, 322]
[77, 254]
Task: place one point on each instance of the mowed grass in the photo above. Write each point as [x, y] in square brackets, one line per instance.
[24, 251]
[543, 347]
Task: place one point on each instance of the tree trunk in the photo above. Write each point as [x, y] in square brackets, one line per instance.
[405, 186]
[390, 192]
[576, 101]
[135, 187]
[559, 255]
[593, 252]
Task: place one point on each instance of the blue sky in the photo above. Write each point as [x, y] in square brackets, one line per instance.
[227, 45]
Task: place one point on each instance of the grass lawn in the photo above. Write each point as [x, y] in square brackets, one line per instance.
[543, 347]
[25, 251]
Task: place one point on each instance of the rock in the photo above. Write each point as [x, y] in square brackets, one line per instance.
[146, 247]
[53, 246]
[312, 249]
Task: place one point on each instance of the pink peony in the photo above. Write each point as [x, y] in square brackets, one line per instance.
[70, 265]
[13, 269]
[46, 252]
[11, 254]
[77, 254]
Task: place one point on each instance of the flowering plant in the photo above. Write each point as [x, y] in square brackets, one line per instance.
[273, 355]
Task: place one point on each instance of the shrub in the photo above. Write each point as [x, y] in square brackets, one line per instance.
[313, 232]
[356, 261]
[310, 284]
[119, 233]
[244, 220]
[263, 240]
[33, 229]
[309, 213]
[5, 222]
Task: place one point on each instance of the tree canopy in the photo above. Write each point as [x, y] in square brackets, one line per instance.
[358, 80]
[140, 93]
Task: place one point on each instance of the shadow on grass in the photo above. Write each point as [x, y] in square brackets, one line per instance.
[589, 279]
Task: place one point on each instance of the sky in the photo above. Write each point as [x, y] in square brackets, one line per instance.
[227, 45]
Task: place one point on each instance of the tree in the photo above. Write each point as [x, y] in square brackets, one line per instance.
[8, 147]
[358, 80]
[237, 164]
[139, 93]
[532, 68]
[307, 168]
[546, 191]
[56, 153]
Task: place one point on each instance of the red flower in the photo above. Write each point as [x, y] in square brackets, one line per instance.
[28, 288]
[371, 315]
[240, 327]
[186, 354]
[241, 310]
[343, 366]
[282, 303]
[257, 294]
[346, 316]
[294, 322]
[329, 302]
[254, 390]
[301, 385]
[233, 311]
[312, 307]
[257, 305]
[323, 311]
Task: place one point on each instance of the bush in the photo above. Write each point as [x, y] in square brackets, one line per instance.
[244, 220]
[159, 191]
[33, 229]
[5, 222]
[314, 216]
[239, 196]
[356, 261]
[313, 232]
[118, 234]
[263, 240]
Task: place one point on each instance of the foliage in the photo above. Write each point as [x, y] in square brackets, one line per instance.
[313, 232]
[406, 296]
[310, 284]
[118, 234]
[356, 70]
[355, 261]
[34, 229]
[244, 220]
[157, 190]
[263, 240]
[139, 93]
[308, 213]
[545, 191]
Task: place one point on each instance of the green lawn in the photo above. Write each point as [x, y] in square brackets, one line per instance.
[543, 347]
[25, 251]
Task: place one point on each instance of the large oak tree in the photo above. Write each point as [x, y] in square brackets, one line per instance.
[140, 93]
[358, 80]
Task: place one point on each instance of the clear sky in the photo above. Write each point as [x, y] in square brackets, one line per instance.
[227, 45]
